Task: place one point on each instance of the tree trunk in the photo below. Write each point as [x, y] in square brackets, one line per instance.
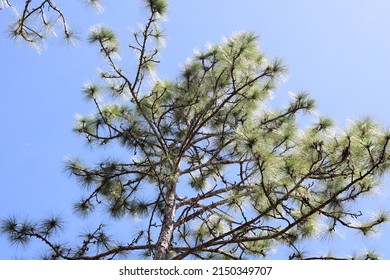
[164, 240]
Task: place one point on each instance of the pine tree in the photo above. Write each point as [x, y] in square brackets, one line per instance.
[37, 20]
[225, 176]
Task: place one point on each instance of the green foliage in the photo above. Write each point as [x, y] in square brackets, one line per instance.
[105, 38]
[157, 6]
[34, 22]
[102, 34]
[224, 176]
[22, 232]
[91, 91]
[95, 4]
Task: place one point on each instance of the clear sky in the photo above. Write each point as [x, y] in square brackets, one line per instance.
[338, 51]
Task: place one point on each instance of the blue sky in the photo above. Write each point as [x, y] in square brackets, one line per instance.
[338, 51]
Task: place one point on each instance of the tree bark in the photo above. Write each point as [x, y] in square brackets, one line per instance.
[164, 240]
